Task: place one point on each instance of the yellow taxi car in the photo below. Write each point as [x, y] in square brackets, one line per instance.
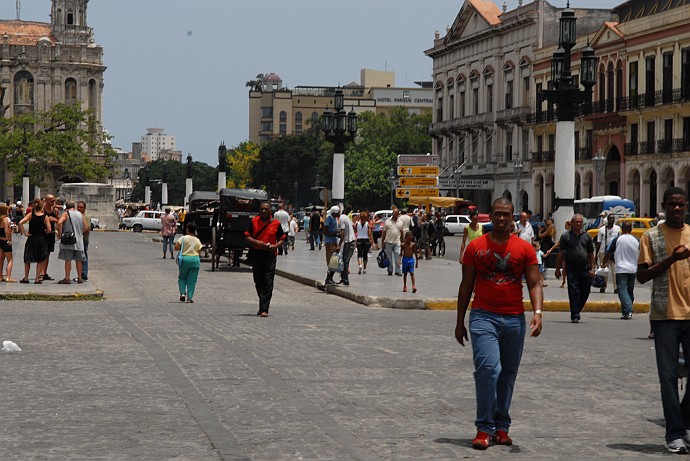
[640, 225]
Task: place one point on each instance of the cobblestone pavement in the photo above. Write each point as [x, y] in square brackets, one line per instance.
[140, 375]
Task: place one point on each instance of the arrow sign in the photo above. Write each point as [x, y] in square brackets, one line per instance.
[417, 159]
[417, 171]
[418, 181]
[417, 192]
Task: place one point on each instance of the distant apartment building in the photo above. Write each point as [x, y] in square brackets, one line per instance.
[640, 117]
[484, 93]
[157, 144]
[278, 111]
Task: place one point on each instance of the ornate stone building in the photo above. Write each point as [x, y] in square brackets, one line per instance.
[42, 64]
[485, 94]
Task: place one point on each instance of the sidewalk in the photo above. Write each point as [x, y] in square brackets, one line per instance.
[437, 281]
[49, 290]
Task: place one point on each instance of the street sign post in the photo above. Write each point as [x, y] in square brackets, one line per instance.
[417, 171]
[409, 160]
[408, 181]
[407, 192]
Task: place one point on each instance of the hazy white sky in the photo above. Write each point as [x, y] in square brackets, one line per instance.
[182, 64]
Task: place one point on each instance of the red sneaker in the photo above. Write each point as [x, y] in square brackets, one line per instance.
[481, 441]
[502, 438]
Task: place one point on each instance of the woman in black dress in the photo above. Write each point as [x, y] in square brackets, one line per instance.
[35, 249]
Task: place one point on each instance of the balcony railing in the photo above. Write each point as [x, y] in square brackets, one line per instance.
[584, 153]
[630, 148]
[664, 146]
[543, 156]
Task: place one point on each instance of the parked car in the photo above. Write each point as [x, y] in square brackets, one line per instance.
[94, 223]
[144, 220]
[640, 225]
[456, 223]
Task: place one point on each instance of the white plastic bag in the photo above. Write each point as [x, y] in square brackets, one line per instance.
[603, 271]
[9, 346]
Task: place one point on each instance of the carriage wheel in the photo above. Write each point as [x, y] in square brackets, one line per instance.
[214, 249]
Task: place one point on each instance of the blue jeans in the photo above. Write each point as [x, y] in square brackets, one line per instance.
[348, 251]
[393, 255]
[188, 275]
[579, 286]
[497, 342]
[626, 285]
[668, 335]
[168, 240]
[314, 239]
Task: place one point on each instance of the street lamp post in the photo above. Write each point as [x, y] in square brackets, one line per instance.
[568, 99]
[25, 181]
[189, 183]
[391, 180]
[339, 128]
[147, 188]
[164, 185]
[599, 162]
[222, 166]
[518, 168]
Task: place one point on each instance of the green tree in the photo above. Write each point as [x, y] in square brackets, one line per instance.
[63, 138]
[205, 178]
[255, 84]
[284, 160]
[241, 159]
[380, 139]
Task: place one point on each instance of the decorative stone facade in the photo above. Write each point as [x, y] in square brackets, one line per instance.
[42, 64]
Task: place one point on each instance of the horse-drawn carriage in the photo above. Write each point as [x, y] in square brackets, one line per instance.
[201, 207]
[231, 219]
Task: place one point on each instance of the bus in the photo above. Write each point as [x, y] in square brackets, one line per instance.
[591, 208]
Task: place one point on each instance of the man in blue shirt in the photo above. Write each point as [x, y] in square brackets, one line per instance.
[330, 239]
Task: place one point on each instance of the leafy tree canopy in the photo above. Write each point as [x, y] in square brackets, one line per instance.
[241, 159]
[205, 178]
[63, 137]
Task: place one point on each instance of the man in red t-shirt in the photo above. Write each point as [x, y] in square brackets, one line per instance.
[492, 267]
[264, 236]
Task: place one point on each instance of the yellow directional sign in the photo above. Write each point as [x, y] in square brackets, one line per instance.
[405, 192]
[407, 181]
[417, 171]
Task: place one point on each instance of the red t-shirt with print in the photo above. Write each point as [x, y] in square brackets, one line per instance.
[499, 270]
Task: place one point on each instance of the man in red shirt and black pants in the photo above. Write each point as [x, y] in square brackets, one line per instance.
[264, 236]
[493, 266]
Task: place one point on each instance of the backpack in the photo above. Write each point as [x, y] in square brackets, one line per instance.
[382, 260]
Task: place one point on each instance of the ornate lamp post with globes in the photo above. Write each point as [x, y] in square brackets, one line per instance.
[339, 128]
[568, 99]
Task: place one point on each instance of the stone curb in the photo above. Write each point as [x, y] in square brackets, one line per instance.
[33, 296]
[445, 304]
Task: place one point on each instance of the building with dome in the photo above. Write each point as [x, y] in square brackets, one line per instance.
[42, 64]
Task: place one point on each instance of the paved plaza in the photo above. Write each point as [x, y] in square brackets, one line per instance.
[139, 375]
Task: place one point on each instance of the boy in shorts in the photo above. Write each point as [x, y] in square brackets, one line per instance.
[409, 261]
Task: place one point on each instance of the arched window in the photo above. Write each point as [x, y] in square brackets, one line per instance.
[283, 116]
[298, 122]
[70, 91]
[23, 92]
[93, 95]
[314, 118]
[70, 18]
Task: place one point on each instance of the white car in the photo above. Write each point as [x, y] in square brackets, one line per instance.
[144, 220]
[95, 222]
[456, 223]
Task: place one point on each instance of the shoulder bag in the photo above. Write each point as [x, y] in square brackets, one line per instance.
[69, 238]
[179, 254]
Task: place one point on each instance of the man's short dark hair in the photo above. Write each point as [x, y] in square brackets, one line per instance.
[674, 191]
[191, 227]
[502, 201]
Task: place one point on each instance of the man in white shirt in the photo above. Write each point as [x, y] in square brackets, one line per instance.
[284, 219]
[625, 251]
[392, 239]
[524, 229]
[347, 243]
[604, 238]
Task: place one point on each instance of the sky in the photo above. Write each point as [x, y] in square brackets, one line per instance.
[182, 65]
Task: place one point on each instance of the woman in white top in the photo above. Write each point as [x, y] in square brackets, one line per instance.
[363, 230]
